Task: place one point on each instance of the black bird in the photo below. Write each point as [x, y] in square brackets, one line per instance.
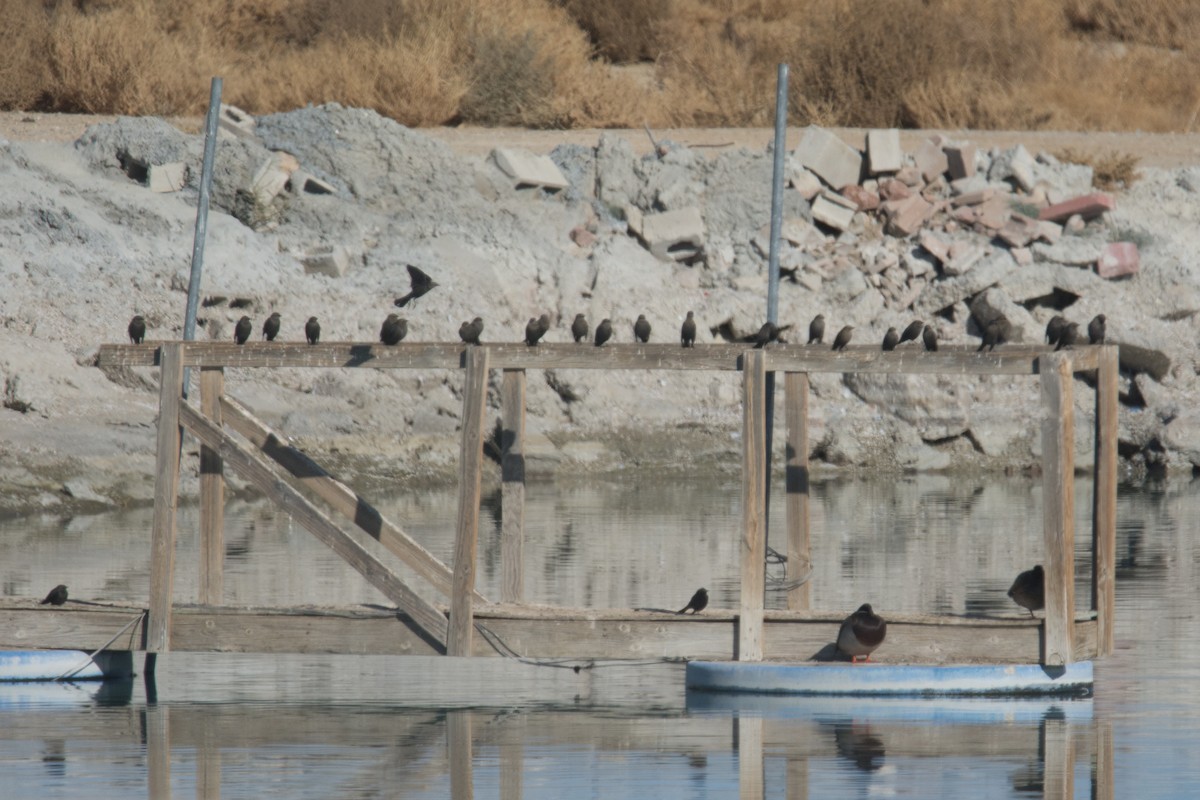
[137, 329]
[603, 332]
[312, 330]
[535, 329]
[698, 603]
[420, 284]
[993, 334]
[641, 329]
[930, 337]
[1029, 589]
[816, 329]
[579, 328]
[861, 633]
[393, 330]
[1054, 328]
[469, 332]
[58, 596]
[1096, 329]
[271, 327]
[912, 331]
[1068, 336]
[768, 333]
[843, 338]
[891, 339]
[687, 333]
[242, 331]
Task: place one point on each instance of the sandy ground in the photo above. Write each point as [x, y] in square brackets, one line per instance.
[1166, 150]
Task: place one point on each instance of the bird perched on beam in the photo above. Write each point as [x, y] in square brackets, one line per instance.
[1096, 329]
[1054, 328]
[891, 339]
[861, 633]
[603, 332]
[270, 328]
[687, 332]
[816, 329]
[1029, 589]
[993, 334]
[843, 338]
[1068, 336]
[469, 332]
[535, 329]
[929, 335]
[579, 328]
[912, 331]
[312, 330]
[420, 284]
[769, 332]
[641, 329]
[137, 329]
[57, 596]
[393, 330]
[698, 603]
[242, 331]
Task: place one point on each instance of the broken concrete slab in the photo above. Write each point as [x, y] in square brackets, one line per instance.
[803, 180]
[674, 235]
[993, 213]
[1141, 351]
[993, 303]
[834, 161]
[937, 248]
[167, 177]
[302, 182]
[961, 256]
[1015, 165]
[1088, 206]
[1117, 260]
[236, 121]
[1019, 231]
[1072, 250]
[331, 260]
[960, 161]
[931, 160]
[884, 155]
[905, 217]
[272, 176]
[528, 169]
[865, 200]
[834, 210]
[945, 293]
[1041, 279]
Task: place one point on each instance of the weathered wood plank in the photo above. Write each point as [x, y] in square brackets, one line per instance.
[1104, 508]
[1058, 744]
[512, 487]
[158, 750]
[208, 765]
[754, 533]
[342, 498]
[748, 732]
[466, 543]
[458, 737]
[950, 359]
[1058, 504]
[799, 534]
[257, 472]
[212, 495]
[1104, 768]
[166, 498]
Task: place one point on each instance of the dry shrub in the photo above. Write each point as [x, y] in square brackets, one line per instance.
[1160, 23]
[1110, 170]
[623, 31]
[24, 77]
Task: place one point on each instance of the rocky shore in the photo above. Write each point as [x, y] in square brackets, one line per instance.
[316, 213]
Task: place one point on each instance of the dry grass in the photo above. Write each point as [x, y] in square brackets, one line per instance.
[1018, 64]
[1110, 170]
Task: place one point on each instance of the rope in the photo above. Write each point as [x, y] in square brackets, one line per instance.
[141, 615]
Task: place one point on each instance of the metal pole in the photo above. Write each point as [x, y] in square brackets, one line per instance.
[773, 269]
[206, 178]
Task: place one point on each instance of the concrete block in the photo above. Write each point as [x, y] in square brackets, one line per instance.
[910, 177]
[893, 189]
[1023, 256]
[529, 170]
[1073, 251]
[931, 160]
[1015, 165]
[834, 161]
[993, 213]
[1117, 260]
[961, 257]
[1020, 230]
[302, 182]
[863, 199]
[960, 161]
[634, 220]
[905, 217]
[328, 260]
[272, 176]
[167, 177]
[834, 210]
[803, 180]
[1049, 232]
[945, 293]
[674, 235]
[236, 121]
[883, 151]
[975, 198]
[934, 246]
[800, 233]
[969, 184]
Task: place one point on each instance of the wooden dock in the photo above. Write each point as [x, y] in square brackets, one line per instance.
[467, 624]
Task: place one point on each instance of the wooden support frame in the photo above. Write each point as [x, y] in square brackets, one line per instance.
[166, 498]
[512, 486]
[212, 494]
[1104, 506]
[754, 534]
[799, 535]
[466, 549]
[1058, 508]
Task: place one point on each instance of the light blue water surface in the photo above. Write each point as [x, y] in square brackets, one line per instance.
[235, 725]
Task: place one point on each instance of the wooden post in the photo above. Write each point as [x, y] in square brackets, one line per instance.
[208, 762]
[754, 540]
[462, 616]
[799, 552]
[750, 757]
[1058, 769]
[797, 777]
[1104, 516]
[1104, 772]
[458, 735]
[158, 742]
[212, 494]
[166, 498]
[512, 497]
[512, 770]
[1058, 503]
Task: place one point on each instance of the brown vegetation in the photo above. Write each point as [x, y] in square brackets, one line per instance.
[1017, 64]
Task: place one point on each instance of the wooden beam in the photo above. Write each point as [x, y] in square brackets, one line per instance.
[466, 549]
[1104, 499]
[754, 534]
[1058, 504]
[340, 497]
[166, 498]
[257, 472]
[949, 359]
[1104, 768]
[1058, 745]
[512, 486]
[799, 553]
[208, 766]
[458, 735]
[212, 494]
[748, 732]
[158, 750]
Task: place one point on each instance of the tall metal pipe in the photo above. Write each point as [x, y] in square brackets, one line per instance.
[780, 153]
[206, 178]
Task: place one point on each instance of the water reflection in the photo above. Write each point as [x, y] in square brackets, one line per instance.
[237, 725]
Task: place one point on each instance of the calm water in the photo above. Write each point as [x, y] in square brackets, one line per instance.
[248, 726]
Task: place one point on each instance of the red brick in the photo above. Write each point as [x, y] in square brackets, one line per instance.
[1117, 260]
[905, 217]
[1087, 206]
[866, 201]
[893, 189]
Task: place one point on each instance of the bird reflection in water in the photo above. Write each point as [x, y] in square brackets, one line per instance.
[859, 745]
